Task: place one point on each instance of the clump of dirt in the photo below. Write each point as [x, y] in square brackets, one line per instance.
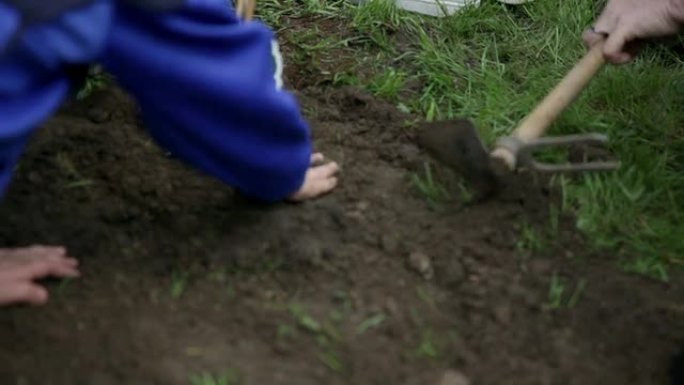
[374, 284]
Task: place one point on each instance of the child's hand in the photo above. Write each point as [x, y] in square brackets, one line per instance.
[21, 267]
[320, 179]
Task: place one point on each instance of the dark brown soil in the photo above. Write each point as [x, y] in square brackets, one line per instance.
[435, 288]
[373, 284]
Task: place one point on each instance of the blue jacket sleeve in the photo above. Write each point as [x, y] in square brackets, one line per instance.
[10, 22]
[209, 90]
[33, 84]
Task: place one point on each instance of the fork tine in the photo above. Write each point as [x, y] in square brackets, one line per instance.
[525, 159]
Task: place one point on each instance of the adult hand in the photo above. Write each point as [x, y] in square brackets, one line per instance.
[626, 23]
[320, 179]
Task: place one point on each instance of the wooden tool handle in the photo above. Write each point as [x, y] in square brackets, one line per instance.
[535, 124]
[245, 9]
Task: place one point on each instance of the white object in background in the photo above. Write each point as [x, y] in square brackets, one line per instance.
[435, 7]
[515, 2]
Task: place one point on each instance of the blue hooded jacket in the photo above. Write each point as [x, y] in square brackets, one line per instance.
[208, 85]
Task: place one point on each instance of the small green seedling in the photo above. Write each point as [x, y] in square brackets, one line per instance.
[370, 323]
[326, 335]
[427, 347]
[530, 240]
[431, 189]
[231, 377]
[179, 282]
[304, 320]
[331, 360]
[94, 81]
[557, 290]
[286, 331]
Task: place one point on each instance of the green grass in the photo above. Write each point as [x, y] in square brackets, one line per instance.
[430, 344]
[179, 283]
[493, 63]
[530, 239]
[431, 189]
[94, 81]
[427, 347]
[558, 293]
[371, 323]
[326, 332]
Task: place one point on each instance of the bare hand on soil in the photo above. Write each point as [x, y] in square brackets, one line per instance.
[320, 179]
[20, 267]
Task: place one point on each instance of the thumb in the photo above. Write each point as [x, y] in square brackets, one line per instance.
[22, 292]
[614, 50]
[590, 38]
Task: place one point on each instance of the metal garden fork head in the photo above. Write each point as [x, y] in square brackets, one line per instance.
[525, 151]
[457, 144]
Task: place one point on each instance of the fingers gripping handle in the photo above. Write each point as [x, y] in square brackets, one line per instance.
[538, 121]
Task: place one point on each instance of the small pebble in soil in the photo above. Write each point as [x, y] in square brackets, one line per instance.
[340, 296]
[282, 348]
[355, 215]
[451, 273]
[469, 264]
[34, 177]
[391, 306]
[502, 314]
[362, 206]
[454, 377]
[420, 262]
[541, 266]
[369, 239]
[306, 250]
[389, 243]
[472, 303]
[408, 153]
[99, 115]
[370, 258]
[336, 213]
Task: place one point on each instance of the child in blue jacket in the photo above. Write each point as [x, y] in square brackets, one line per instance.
[208, 84]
